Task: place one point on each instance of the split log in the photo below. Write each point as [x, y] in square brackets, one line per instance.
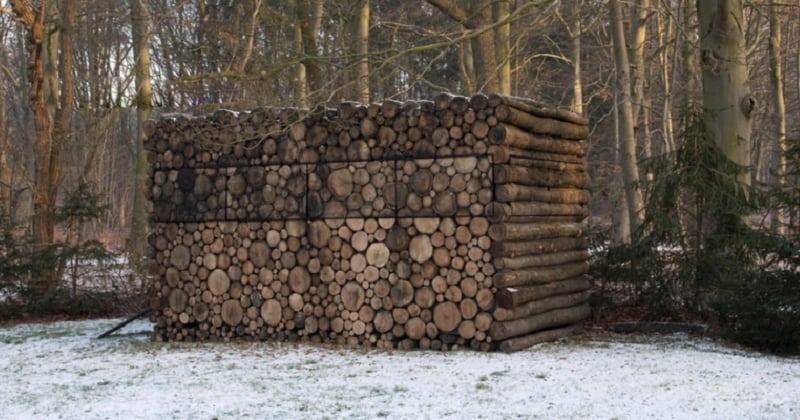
[511, 136]
[512, 297]
[526, 341]
[541, 306]
[541, 125]
[538, 275]
[501, 330]
[537, 108]
[520, 193]
[523, 231]
[540, 260]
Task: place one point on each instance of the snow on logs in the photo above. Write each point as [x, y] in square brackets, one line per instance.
[457, 222]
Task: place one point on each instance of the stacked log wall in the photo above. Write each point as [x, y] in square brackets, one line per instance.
[388, 225]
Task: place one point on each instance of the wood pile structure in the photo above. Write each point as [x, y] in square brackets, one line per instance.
[451, 223]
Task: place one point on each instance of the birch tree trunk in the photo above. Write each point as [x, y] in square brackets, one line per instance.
[144, 104]
[727, 102]
[627, 150]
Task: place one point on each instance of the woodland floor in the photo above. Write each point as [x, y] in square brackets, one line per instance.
[60, 370]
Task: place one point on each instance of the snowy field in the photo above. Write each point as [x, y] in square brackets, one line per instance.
[60, 370]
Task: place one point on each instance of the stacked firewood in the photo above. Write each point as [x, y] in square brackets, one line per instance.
[430, 224]
[538, 220]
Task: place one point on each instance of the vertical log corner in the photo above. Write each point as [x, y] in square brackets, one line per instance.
[452, 223]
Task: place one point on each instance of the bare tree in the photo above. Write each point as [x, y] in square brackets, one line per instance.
[32, 16]
[144, 105]
[627, 146]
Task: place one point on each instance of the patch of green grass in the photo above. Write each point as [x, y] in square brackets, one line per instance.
[399, 388]
[482, 386]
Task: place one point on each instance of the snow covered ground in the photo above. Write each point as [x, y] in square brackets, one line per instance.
[60, 370]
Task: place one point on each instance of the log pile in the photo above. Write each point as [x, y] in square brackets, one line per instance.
[538, 220]
[457, 222]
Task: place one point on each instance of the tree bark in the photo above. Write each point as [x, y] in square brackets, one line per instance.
[557, 318]
[630, 170]
[503, 49]
[362, 39]
[727, 102]
[33, 17]
[512, 297]
[483, 46]
[5, 145]
[577, 84]
[523, 342]
[309, 20]
[144, 105]
[779, 104]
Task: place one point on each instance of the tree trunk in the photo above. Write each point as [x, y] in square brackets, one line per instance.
[776, 67]
[43, 214]
[689, 47]
[141, 50]
[5, 145]
[638, 36]
[666, 57]
[727, 102]
[309, 20]
[300, 81]
[630, 170]
[577, 85]
[503, 50]
[483, 46]
[620, 222]
[362, 39]
[244, 50]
